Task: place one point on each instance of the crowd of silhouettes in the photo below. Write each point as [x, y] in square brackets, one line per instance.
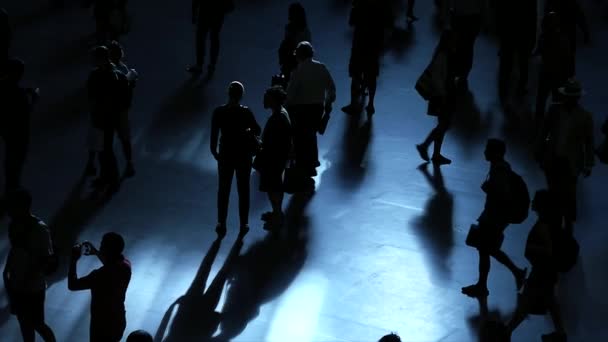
[285, 153]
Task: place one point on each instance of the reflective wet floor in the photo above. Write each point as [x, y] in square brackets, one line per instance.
[380, 245]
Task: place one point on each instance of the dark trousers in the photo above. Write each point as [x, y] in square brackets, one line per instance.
[107, 158]
[14, 160]
[305, 121]
[561, 181]
[108, 330]
[211, 26]
[227, 168]
[467, 27]
[29, 309]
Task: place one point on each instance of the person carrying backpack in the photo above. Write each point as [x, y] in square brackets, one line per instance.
[542, 251]
[487, 236]
[30, 260]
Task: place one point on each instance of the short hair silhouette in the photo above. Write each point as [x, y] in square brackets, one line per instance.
[392, 337]
[115, 50]
[140, 336]
[112, 245]
[277, 94]
[101, 53]
[496, 148]
[236, 90]
[305, 50]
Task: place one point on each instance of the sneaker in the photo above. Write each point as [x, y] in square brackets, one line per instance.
[441, 160]
[195, 69]
[424, 154]
[220, 229]
[129, 170]
[475, 291]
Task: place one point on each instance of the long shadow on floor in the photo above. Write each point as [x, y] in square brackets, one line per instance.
[355, 144]
[196, 318]
[470, 127]
[434, 227]
[78, 209]
[265, 271]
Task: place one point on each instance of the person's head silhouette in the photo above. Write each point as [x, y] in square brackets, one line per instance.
[112, 246]
[392, 337]
[235, 91]
[116, 51]
[495, 150]
[101, 55]
[274, 97]
[140, 336]
[304, 51]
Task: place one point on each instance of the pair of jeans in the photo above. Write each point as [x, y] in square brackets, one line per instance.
[467, 28]
[227, 168]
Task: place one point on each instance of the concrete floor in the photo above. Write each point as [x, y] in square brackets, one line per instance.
[379, 248]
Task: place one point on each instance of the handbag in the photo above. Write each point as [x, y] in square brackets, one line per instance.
[432, 83]
[473, 237]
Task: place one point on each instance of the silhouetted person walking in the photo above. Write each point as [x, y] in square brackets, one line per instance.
[29, 261]
[494, 220]
[108, 285]
[557, 63]
[109, 96]
[235, 127]
[5, 35]
[296, 31]
[17, 104]
[539, 291]
[571, 17]
[517, 40]
[310, 94]
[272, 160]
[208, 16]
[466, 22]
[566, 149]
[368, 21]
[106, 12]
[117, 55]
[442, 104]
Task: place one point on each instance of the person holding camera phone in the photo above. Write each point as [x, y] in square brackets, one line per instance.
[108, 285]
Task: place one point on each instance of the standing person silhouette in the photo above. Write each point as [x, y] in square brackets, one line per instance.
[28, 260]
[571, 17]
[108, 285]
[493, 220]
[296, 31]
[208, 16]
[310, 94]
[276, 147]
[234, 125]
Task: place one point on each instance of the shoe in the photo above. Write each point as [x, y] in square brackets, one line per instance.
[90, 170]
[350, 109]
[520, 279]
[129, 170]
[370, 110]
[475, 291]
[424, 154]
[220, 229]
[195, 69]
[441, 160]
[555, 337]
[244, 230]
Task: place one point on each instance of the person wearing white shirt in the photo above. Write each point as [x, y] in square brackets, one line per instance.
[311, 93]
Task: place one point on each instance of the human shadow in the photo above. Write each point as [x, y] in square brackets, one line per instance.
[178, 117]
[434, 226]
[196, 318]
[266, 270]
[470, 126]
[355, 144]
[481, 323]
[77, 210]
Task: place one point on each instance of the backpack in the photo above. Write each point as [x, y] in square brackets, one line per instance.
[566, 250]
[519, 203]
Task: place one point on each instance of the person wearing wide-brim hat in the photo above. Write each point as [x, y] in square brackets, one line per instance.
[567, 150]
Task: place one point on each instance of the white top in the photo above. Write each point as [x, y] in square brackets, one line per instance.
[311, 83]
